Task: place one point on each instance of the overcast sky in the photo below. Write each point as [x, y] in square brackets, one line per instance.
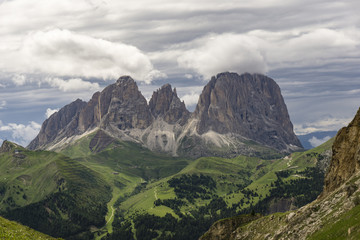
[53, 52]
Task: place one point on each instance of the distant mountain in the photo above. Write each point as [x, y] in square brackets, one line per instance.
[315, 139]
[250, 105]
[236, 114]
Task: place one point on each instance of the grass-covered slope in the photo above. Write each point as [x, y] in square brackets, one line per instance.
[51, 192]
[333, 217]
[151, 187]
[210, 188]
[10, 230]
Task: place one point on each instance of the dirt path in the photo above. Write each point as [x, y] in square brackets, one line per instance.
[112, 215]
[155, 192]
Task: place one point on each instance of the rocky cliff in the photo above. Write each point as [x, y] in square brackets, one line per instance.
[250, 105]
[346, 156]
[236, 114]
[61, 124]
[165, 104]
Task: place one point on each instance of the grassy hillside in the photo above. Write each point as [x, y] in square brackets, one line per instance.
[121, 188]
[335, 216]
[51, 192]
[210, 188]
[12, 230]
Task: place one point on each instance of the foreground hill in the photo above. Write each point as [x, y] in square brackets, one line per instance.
[12, 230]
[334, 214]
[236, 114]
[50, 192]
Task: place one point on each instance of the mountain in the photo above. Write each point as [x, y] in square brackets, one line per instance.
[333, 215]
[314, 139]
[250, 105]
[165, 104]
[236, 114]
[346, 156]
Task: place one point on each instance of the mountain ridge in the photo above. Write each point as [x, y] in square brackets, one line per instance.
[165, 125]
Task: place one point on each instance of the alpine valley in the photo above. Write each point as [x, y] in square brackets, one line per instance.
[119, 167]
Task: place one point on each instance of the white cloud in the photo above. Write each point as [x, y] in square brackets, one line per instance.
[190, 99]
[66, 53]
[259, 51]
[74, 84]
[21, 134]
[307, 47]
[19, 79]
[188, 76]
[328, 124]
[50, 112]
[314, 141]
[226, 52]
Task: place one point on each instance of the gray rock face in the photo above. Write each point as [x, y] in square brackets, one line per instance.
[232, 109]
[63, 123]
[166, 104]
[345, 156]
[120, 104]
[250, 105]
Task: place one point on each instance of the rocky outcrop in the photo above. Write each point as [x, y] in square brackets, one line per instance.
[250, 105]
[7, 146]
[121, 105]
[165, 104]
[236, 114]
[61, 124]
[224, 228]
[346, 156]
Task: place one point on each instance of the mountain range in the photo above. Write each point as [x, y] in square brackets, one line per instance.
[235, 114]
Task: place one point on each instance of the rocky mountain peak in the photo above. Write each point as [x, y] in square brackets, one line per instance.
[63, 123]
[346, 156]
[123, 80]
[250, 105]
[120, 104]
[166, 104]
[232, 109]
[7, 146]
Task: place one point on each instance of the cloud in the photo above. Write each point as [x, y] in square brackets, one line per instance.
[74, 84]
[316, 142]
[328, 124]
[307, 47]
[50, 112]
[226, 52]
[21, 134]
[66, 53]
[259, 51]
[190, 99]
[19, 79]
[2, 104]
